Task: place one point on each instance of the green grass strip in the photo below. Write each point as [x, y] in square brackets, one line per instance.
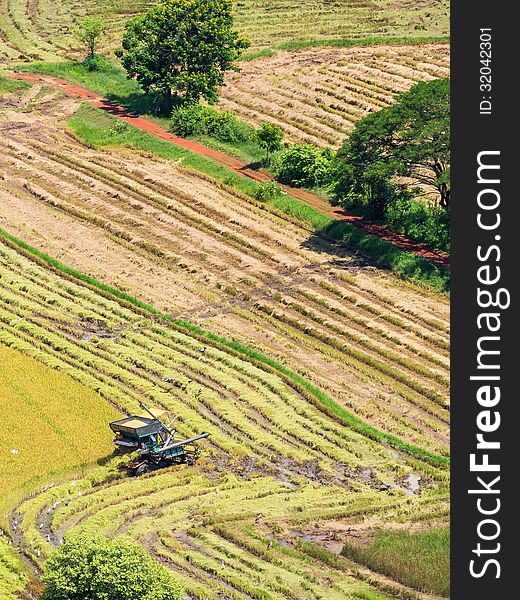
[322, 399]
[12, 85]
[345, 43]
[91, 281]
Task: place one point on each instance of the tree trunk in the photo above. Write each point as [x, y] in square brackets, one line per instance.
[168, 101]
[91, 48]
[444, 191]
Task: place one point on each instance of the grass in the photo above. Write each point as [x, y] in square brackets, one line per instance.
[314, 394]
[111, 82]
[13, 578]
[50, 423]
[420, 560]
[11, 85]
[386, 255]
[292, 45]
[369, 41]
[97, 128]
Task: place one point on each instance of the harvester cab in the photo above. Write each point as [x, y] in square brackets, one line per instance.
[154, 442]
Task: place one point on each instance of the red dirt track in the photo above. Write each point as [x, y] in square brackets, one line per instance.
[234, 164]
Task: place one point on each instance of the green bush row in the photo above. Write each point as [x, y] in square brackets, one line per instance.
[194, 119]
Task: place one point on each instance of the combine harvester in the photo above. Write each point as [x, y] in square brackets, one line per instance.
[154, 442]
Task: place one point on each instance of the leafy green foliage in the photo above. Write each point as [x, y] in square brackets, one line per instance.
[100, 569]
[269, 191]
[304, 165]
[417, 220]
[420, 560]
[270, 137]
[182, 47]
[194, 119]
[408, 139]
[90, 30]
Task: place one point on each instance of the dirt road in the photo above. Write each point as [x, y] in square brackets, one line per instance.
[234, 164]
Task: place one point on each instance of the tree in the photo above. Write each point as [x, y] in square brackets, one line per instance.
[182, 47]
[411, 138]
[270, 137]
[99, 569]
[91, 29]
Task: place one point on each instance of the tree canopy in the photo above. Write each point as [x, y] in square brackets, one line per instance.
[182, 47]
[270, 138]
[99, 569]
[411, 138]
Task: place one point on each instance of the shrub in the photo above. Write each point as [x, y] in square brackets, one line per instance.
[304, 165]
[269, 191]
[422, 222]
[119, 127]
[194, 119]
[100, 569]
[97, 63]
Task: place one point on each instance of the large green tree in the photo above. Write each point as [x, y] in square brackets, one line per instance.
[85, 568]
[182, 48]
[411, 138]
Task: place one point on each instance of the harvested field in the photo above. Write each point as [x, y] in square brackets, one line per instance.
[283, 463]
[317, 95]
[379, 346]
[275, 464]
[44, 29]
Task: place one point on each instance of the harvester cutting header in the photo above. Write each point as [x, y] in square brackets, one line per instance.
[154, 442]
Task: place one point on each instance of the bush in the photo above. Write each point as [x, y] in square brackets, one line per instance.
[426, 223]
[194, 119]
[395, 207]
[97, 63]
[100, 569]
[304, 166]
[269, 191]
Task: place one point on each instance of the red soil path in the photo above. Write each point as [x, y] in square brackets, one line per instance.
[234, 164]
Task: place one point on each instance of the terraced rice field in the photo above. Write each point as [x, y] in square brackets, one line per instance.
[317, 95]
[276, 466]
[44, 29]
[204, 254]
[331, 425]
